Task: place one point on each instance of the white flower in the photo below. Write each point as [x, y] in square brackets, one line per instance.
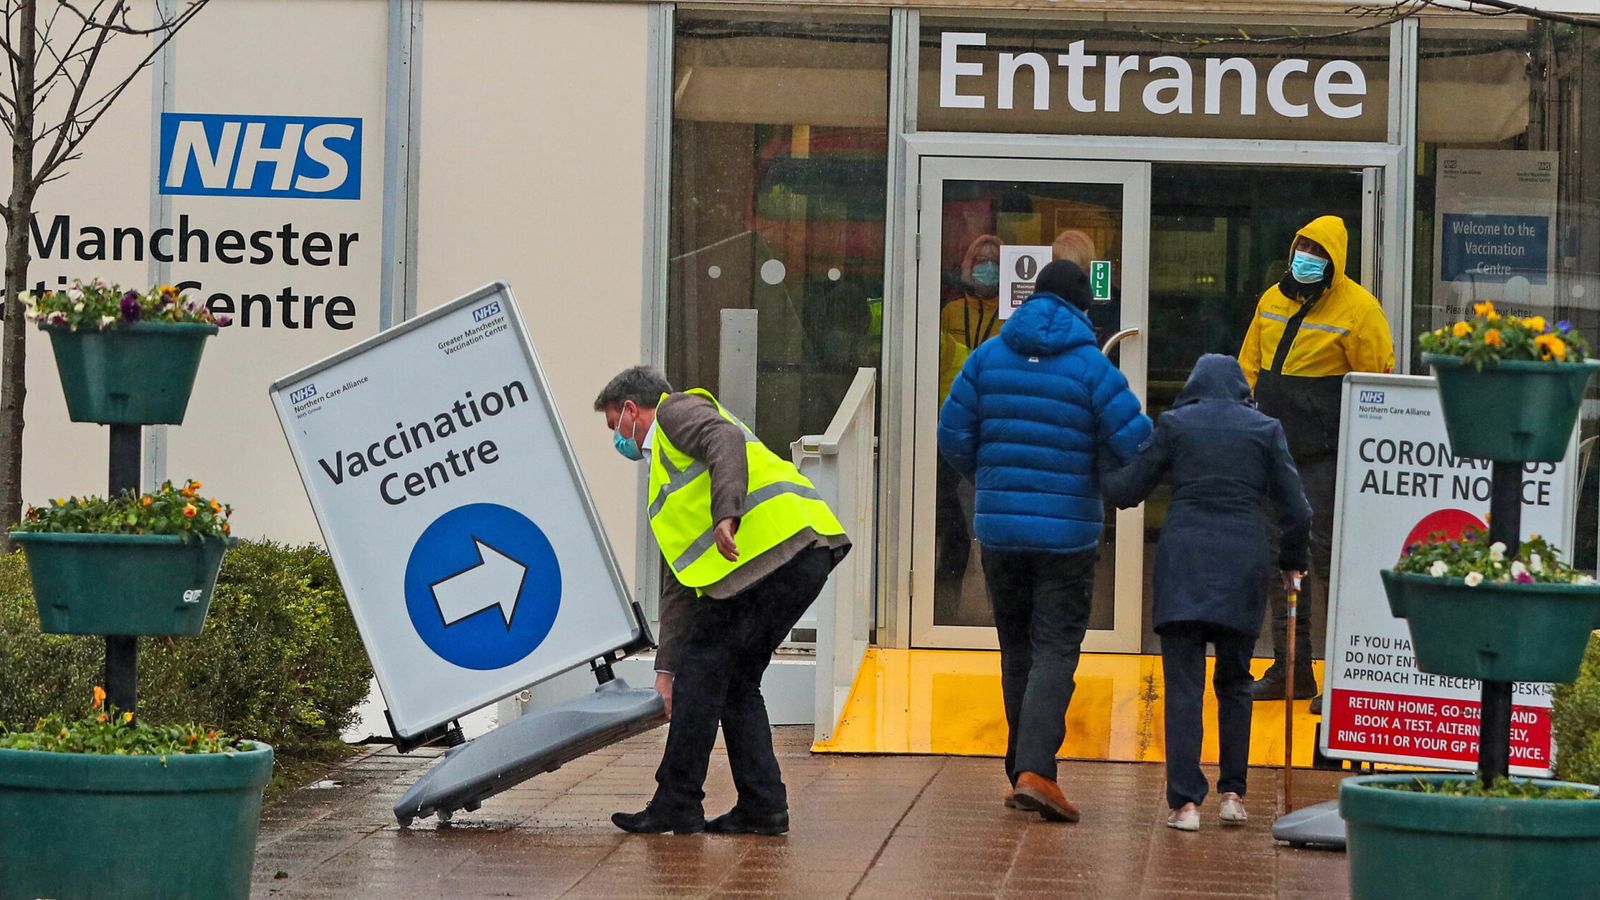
[1517, 569]
[1474, 579]
[1583, 579]
[1438, 569]
[105, 321]
[78, 306]
[1535, 563]
[1497, 551]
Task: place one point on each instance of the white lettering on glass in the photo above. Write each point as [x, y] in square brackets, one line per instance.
[1337, 87]
[950, 69]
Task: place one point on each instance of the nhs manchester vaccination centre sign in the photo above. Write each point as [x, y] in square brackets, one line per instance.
[1399, 483]
[454, 510]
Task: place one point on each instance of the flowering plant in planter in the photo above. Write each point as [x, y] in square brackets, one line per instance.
[1491, 337]
[169, 510]
[1475, 560]
[103, 729]
[96, 306]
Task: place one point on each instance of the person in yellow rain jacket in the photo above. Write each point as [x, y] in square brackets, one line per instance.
[1309, 330]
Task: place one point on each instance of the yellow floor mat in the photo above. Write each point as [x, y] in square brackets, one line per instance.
[948, 702]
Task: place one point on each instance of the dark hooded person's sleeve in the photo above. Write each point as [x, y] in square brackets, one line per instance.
[1294, 511]
[1127, 485]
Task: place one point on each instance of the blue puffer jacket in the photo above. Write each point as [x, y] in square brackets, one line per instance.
[1026, 418]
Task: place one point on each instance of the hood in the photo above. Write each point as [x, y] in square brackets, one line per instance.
[1328, 231]
[1046, 325]
[1215, 377]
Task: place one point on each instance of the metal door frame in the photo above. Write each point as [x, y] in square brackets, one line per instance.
[908, 464]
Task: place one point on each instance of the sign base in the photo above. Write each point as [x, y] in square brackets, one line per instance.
[538, 742]
[1318, 825]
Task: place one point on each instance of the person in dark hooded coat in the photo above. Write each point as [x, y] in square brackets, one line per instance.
[1213, 564]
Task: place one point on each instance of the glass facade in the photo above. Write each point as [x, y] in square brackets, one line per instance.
[782, 169]
[779, 180]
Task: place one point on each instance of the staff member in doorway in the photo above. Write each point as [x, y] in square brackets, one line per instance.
[1213, 564]
[750, 544]
[1026, 420]
[1310, 329]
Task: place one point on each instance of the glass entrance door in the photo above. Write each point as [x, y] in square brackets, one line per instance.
[985, 227]
[1191, 247]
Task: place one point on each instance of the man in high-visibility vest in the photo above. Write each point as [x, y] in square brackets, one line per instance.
[1312, 327]
[749, 544]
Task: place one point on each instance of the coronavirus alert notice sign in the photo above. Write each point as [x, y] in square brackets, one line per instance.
[454, 510]
[1399, 483]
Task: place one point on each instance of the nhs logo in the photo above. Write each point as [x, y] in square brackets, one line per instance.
[1372, 396]
[261, 156]
[303, 394]
[485, 311]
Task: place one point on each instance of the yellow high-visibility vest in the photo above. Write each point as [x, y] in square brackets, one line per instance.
[780, 503]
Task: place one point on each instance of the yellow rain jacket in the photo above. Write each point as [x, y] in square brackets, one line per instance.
[1343, 330]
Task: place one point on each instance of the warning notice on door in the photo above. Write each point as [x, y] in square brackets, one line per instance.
[1019, 271]
[1399, 483]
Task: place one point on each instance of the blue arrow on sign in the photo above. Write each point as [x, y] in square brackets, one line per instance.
[483, 586]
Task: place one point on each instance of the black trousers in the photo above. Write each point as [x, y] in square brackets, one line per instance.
[1041, 611]
[724, 652]
[1320, 480]
[1183, 662]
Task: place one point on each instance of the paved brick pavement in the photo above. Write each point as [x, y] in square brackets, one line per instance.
[881, 826]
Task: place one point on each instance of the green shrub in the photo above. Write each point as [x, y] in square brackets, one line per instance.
[1576, 720]
[279, 659]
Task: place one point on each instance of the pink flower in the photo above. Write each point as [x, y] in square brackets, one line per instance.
[1524, 578]
[224, 320]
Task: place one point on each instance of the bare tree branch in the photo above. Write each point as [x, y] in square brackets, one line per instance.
[1508, 7]
[120, 11]
[85, 118]
[1396, 12]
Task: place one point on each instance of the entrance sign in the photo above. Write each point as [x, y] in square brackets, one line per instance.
[1494, 232]
[1170, 84]
[1019, 271]
[1398, 482]
[454, 510]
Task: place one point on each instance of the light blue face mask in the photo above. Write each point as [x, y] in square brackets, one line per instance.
[986, 274]
[1308, 268]
[627, 446]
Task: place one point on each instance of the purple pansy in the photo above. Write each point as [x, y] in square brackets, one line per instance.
[131, 308]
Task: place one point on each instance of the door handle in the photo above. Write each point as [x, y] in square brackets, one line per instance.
[1112, 342]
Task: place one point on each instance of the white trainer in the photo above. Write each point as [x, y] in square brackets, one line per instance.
[1185, 819]
[1232, 812]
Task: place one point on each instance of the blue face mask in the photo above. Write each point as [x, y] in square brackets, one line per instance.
[627, 446]
[1308, 268]
[986, 274]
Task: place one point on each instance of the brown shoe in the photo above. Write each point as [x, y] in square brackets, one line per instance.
[1043, 796]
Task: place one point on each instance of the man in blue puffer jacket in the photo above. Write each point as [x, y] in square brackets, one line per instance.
[1026, 419]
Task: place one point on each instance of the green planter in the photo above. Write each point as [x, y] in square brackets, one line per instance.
[1495, 632]
[1407, 844]
[1511, 411]
[86, 827]
[121, 583]
[136, 374]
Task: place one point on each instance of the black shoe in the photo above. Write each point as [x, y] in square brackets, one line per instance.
[737, 821]
[649, 821]
[1271, 685]
[1316, 703]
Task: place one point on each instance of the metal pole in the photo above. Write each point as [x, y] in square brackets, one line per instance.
[1288, 700]
[122, 651]
[1494, 714]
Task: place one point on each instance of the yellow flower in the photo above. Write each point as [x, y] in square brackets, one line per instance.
[169, 290]
[99, 696]
[1535, 322]
[1551, 347]
[1484, 308]
[127, 717]
[1492, 337]
[216, 507]
[189, 511]
[147, 500]
[1462, 329]
[226, 528]
[194, 485]
[1493, 317]
[102, 717]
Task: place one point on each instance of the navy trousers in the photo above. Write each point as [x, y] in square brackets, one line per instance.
[1183, 660]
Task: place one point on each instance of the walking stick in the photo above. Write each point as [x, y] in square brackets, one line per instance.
[1288, 699]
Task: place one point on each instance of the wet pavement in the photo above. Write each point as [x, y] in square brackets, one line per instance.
[879, 826]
